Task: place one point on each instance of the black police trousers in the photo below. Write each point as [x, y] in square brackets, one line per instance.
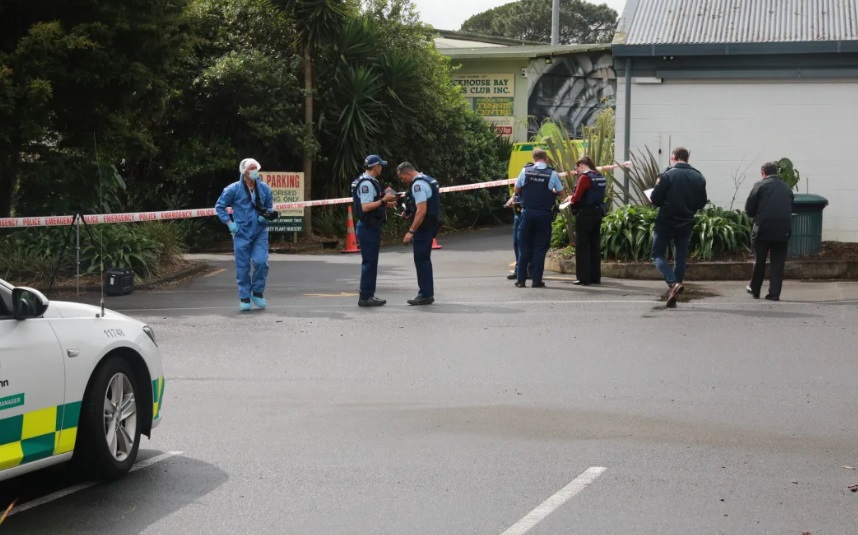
[588, 245]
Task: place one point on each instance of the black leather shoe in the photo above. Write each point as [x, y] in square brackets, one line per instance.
[772, 298]
[752, 292]
[421, 301]
[520, 284]
[511, 277]
[673, 294]
[580, 283]
[371, 302]
[539, 284]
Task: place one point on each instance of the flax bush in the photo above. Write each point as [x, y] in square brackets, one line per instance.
[627, 233]
[29, 256]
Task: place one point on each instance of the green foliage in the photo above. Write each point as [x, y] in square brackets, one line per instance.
[120, 246]
[330, 221]
[565, 152]
[177, 92]
[627, 233]
[788, 173]
[387, 91]
[559, 233]
[22, 265]
[472, 208]
[530, 20]
[562, 150]
[319, 19]
[236, 94]
[170, 239]
[642, 176]
[70, 72]
[719, 231]
[599, 145]
[98, 186]
[30, 255]
[599, 137]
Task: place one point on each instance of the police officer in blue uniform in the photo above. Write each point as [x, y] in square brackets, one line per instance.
[423, 207]
[539, 186]
[588, 205]
[369, 205]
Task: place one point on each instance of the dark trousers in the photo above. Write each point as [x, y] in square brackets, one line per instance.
[516, 223]
[369, 239]
[778, 250]
[588, 245]
[534, 239]
[660, 241]
[422, 243]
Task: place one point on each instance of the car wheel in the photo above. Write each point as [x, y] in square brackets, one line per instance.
[110, 424]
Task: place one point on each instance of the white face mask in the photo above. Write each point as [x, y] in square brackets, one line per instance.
[254, 174]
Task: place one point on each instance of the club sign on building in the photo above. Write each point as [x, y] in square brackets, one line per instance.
[492, 96]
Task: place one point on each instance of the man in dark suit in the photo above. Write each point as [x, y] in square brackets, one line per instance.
[770, 206]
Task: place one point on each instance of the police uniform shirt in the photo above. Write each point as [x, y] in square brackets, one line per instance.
[553, 183]
[421, 191]
[366, 190]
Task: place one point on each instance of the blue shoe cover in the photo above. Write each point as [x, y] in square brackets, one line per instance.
[244, 307]
[258, 301]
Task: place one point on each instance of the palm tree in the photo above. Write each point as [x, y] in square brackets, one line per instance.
[316, 21]
[370, 89]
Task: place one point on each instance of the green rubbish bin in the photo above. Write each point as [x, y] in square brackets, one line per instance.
[806, 236]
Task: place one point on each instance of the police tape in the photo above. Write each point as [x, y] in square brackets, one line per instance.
[170, 215]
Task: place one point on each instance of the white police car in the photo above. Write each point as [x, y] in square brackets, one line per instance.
[73, 384]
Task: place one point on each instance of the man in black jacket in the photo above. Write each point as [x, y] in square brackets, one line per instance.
[770, 206]
[679, 193]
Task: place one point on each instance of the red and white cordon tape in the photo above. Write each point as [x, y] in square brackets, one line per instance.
[169, 215]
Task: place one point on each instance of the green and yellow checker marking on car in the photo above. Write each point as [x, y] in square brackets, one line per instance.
[157, 397]
[47, 432]
[38, 434]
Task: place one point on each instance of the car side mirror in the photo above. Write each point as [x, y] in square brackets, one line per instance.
[28, 303]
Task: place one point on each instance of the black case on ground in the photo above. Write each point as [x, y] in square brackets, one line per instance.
[118, 281]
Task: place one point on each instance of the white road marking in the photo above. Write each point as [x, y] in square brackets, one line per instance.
[554, 502]
[83, 486]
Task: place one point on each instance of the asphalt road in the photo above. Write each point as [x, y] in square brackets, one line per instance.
[725, 415]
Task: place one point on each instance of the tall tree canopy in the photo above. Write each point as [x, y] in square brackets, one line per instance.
[236, 94]
[530, 20]
[73, 72]
[178, 91]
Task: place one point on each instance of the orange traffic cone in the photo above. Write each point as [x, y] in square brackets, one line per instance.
[435, 244]
[351, 239]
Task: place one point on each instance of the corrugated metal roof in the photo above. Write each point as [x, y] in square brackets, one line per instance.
[737, 21]
[520, 52]
[441, 42]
